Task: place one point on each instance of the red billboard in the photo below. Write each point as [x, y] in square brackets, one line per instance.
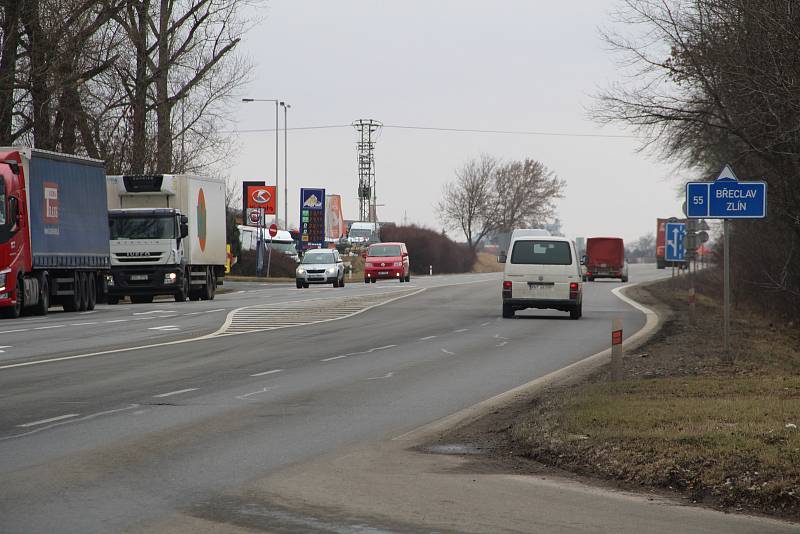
[260, 197]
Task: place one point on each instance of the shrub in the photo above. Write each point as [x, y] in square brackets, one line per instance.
[281, 265]
[427, 247]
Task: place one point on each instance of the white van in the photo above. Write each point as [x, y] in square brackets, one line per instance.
[542, 271]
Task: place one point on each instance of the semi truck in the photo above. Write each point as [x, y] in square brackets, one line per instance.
[605, 258]
[54, 239]
[167, 237]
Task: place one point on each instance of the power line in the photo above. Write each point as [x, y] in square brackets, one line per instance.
[455, 130]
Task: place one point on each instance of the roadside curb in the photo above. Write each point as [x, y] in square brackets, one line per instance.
[570, 374]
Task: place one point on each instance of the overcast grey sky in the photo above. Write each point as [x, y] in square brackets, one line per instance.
[501, 65]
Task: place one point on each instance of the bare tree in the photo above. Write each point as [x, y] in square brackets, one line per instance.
[489, 196]
[465, 201]
[524, 194]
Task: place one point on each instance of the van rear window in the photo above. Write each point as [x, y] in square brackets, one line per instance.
[541, 253]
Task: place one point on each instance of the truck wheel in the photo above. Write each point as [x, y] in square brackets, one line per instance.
[92, 286]
[112, 299]
[83, 294]
[508, 311]
[183, 292]
[43, 306]
[72, 302]
[576, 312]
[207, 293]
[12, 312]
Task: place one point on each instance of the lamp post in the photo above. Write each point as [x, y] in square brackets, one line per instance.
[285, 165]
[262, 222]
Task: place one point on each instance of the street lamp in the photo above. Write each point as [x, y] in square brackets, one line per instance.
[285, 166]
[262, 222]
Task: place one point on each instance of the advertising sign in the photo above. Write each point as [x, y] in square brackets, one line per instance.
[312, 218]
[335, 227]
[259, 200]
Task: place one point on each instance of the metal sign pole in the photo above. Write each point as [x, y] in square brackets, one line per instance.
[269, 256]
[726, 230]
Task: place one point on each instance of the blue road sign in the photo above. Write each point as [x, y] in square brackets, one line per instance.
[726, 198]
[673, 242]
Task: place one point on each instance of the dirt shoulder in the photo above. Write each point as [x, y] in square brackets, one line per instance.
[685, 421]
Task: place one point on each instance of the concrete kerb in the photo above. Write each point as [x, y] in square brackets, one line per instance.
[570, 374]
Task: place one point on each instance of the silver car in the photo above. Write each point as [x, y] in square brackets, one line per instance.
[320, 266]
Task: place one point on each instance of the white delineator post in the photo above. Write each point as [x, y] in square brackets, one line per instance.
[616, 349]
[430, 270]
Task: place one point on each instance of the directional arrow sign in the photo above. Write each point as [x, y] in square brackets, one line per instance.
[726, 198]
[674, 235]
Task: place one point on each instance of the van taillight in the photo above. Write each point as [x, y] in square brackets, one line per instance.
[573, 291]
[507, 284]
[573, 286]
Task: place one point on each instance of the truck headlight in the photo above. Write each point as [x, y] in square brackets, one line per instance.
[109, 280]
[169, 278]
[3, 276]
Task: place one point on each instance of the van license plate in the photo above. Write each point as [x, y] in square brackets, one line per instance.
[138, 277]
[383, 273]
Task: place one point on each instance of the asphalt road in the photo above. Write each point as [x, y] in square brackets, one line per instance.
[105, 442]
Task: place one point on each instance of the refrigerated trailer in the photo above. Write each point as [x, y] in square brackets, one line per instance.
[167, 236]
[54, 247]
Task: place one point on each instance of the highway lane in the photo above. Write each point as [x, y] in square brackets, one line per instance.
[108, 327]
[135, 436]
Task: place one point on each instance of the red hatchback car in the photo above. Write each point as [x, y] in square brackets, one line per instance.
[386, 261]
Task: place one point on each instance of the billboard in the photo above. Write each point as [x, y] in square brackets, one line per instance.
[335, 228]
[312, 218]
[258, 200]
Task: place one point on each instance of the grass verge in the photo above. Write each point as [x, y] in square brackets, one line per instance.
[685, 417]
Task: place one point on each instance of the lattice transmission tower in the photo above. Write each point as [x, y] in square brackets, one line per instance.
[365, 148]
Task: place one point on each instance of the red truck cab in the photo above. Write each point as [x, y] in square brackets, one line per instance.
[15, 257]
[605, 258]
[385, 261]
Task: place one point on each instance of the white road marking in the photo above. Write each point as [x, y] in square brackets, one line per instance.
[387, 375]
[502, 344]
[154, 311]
[13, 331]
[263, 390]
[498, 336]
[486, 324]
[241, 291]
[448, 352]
[49, 327]
[50, 420]
[171, 393]
[462, 330]
[268, 372]
[4, 347]
[427, 338]
[357, 353]
[88, 312]
[165, 328]
[116, 321]
[69, 421]
[208, 311]
[83, 324]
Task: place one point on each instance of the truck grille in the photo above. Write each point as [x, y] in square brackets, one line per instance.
[137, 257]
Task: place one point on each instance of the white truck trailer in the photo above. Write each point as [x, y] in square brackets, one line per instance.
[167, 236]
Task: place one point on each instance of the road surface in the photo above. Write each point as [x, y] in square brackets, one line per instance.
[98, 436]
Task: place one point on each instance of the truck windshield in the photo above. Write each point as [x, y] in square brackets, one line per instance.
[143, 228]
[360, 232]
[541, 253]
[384, 250]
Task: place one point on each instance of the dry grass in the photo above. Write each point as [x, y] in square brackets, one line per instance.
[487, 263]
[685, 418]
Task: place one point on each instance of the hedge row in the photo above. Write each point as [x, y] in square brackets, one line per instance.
[427, 248]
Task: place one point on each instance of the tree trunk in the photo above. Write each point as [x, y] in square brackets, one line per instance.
[40, 93]
[163, 104]
[139, 104]
[8, 67]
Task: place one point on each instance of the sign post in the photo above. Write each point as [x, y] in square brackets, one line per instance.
[726, 198]
[273, 231]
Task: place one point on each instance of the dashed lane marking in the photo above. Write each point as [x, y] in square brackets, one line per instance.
[448, 352]
[370, 351]
[426, 338]
[4, 347]
[171, 393]
[50, 327]
[462, 330]
[272, 372]
[50, 420]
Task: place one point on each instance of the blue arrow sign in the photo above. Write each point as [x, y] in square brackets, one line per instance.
[673, 242]
[726, 198]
